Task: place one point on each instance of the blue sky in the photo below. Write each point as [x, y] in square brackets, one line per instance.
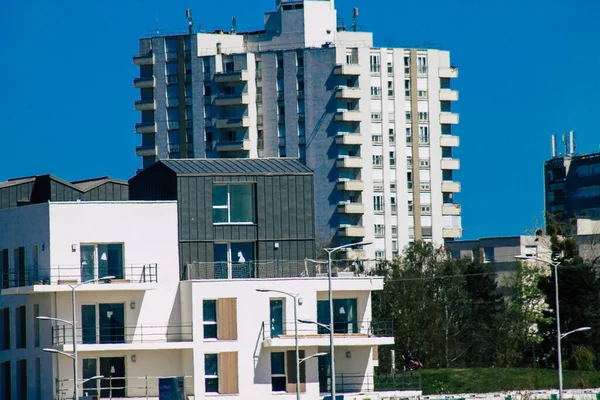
[527, 69]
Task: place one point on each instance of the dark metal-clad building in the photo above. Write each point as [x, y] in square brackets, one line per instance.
[43, 188]
[235, 211]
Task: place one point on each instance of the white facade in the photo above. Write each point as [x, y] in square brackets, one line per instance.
[144, 324]
[374, 124]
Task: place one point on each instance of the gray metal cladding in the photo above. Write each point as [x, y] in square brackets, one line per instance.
[243, 166]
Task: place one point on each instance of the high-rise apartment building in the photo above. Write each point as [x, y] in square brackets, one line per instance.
[374, 124]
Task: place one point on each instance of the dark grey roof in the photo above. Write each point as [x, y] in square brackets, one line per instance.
[238, 166]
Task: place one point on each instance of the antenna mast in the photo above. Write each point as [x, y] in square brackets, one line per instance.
[188, 15]
[354, 18]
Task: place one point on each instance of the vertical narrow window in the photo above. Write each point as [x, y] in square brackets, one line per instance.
[378, 203]
[278, 377]
[4, 268]
[90, 369]
[393, 204]
[6, 379]
[5, 313]
[38, 379]
[392, 159]
[209, 309]
[211, 373]
[21, 325]
[36, 325]
[19, 265]
[22, 379]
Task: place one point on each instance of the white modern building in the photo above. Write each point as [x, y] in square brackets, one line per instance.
[221, 335]
[374, 124]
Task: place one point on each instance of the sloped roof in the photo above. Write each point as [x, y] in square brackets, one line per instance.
[89, 184]
[17, 181]
[236, 166]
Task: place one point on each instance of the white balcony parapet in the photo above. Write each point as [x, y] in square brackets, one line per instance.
[450, 163]
[449, 141]
[450, 209]
[451, 72]
[448, 95]
[448, 118]
[450, 187]
[347, 69]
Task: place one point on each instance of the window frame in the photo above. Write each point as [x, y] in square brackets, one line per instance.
[206, 322]
[211, 377]
[227, 206]
[284, 375]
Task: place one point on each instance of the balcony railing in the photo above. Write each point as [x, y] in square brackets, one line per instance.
[361, 383]
[72, 275]
[364, 328]
[143, 387]
[277, 269]
[114, 334]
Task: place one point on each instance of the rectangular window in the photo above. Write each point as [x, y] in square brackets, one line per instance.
[407, 87]
[422, 94]
[22, 380]
[379, 230]
[392, 136]
[21, 327]
[379, 254]
[426, 209]
[407, 114]
[211, 373]
[278, 377]
[377, 160]
[423, 134]
[406, 65]
[209, 308]
[19, 265]
[409, 161]
[393, 204]
[5, 342]
[38, 379]
[424, 163]
[107, 257]
[376, 139]
[376, 116]
[423, 116]
[410, 206]
[390, 88]
[375, 63]
[378, 203]
[392, 159]
[421, 65]
[390, 68]
[375, 91]
[90, 369]
[4, 268]
[233, 204]
[36, 325]
[408, 135]
[394, 245]
[394, 230]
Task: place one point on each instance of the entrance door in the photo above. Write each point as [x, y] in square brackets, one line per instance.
[90, 388]
[113, 383]
[111, 320]
[324, 373]
[88, 324]
[276, 317]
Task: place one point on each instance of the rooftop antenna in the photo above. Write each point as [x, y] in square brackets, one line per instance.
[354, 18]
[566, 143]
[572, 142]
[156, 21]
[188, 15]
[553, 145]
[233, 24]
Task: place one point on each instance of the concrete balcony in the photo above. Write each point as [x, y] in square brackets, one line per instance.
[345, 92]
[448, 72]
[347, 69]
[349, 139]
[349, 162]
[450, 163]
[448, 118]
[224, 100]
[144, 105]
[234, 76]
[145, 127]
[451, 233]
[227, 123]
[448, 95]
[143, 59]
[145, 151]
[144, 83]
[350, 185]
[238, 145]
[350, 208]
[356, 231]
[449, 141]
[450, 187]
[348, 116]
[450, 209]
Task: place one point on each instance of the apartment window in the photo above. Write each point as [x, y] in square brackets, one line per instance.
[209, 310]
[423, 134]
[211, 373]
[375, 91]
[408, 135]
[423, 116]
[22, 380]
[426, 209]
[378, 203]
[392, 158]
[394, 230]
[407, 115]
[424, 163]
[376, 139]
[409, 162]
[488, 254]
[300, 60]
[233, 204]
[6, 377]
[21, 327]
[406, 65]
[379, 254]
[393, 186]
[407, 87]
[410, 206]
[375, 63]
[393, 204]
[422, 94]
[99, 260]
[390, 68]
[426, 186]
[38, 379]
[379, 230]
[278, 377]
[19, 265]
[4, 268]
[36, 325]
[103, 323]
[394, 246]
[391, 135]
[5, 339]
[260, 140]
[390, 88]
[377, 160]
[376, 116]
[421, 65]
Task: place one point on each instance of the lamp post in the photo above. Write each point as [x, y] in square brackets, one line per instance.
[330, 251]
[73, 324]
[298, 361]
[559, 336]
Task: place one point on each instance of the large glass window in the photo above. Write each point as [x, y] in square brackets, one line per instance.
[233, 260]
[233, 204]
[107, 257]
[211, 373]
[278, 379]
[209, 309]
[344, 315]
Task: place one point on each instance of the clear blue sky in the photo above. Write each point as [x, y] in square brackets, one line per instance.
[527, 69]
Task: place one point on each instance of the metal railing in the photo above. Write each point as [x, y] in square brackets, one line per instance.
[112, 334]
[143, 387]
[62, 274]
[364, 328]
[272, 269]
[361, 383]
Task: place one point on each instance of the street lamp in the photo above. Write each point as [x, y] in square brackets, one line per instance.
[295, 297]
[311, 356]
[330, 251]
[559, 336]
[73, 324]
